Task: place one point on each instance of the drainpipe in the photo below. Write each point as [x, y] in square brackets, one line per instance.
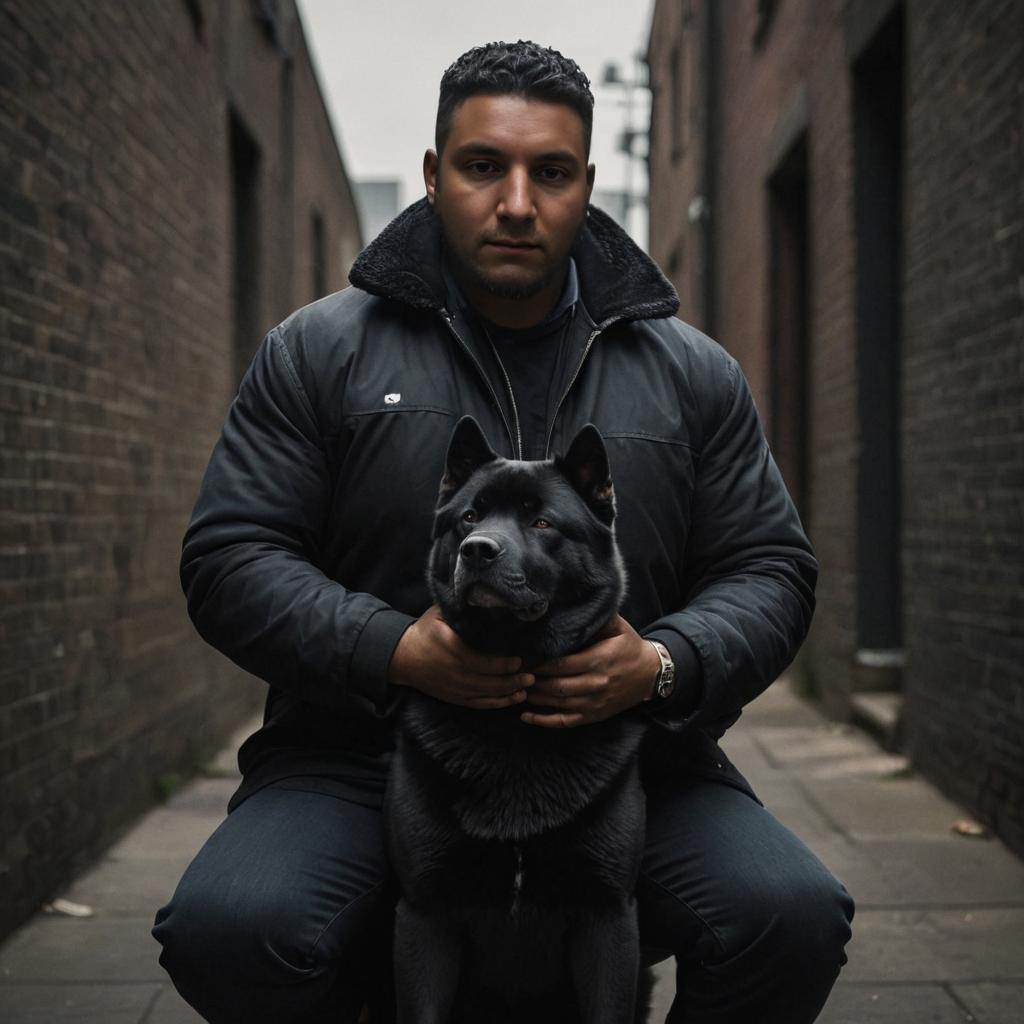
[710, 184]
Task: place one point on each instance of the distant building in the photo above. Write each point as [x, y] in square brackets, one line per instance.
[379, 202]
[613, 202]
[836, 193]
[171, 189]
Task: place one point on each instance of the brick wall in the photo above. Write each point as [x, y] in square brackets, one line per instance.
[785, 71]
[963, 402]
[116, 370]
[773, 79]
[677, 237]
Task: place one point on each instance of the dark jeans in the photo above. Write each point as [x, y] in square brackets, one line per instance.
[284, 914]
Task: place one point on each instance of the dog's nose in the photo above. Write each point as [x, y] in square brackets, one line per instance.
[479, 549]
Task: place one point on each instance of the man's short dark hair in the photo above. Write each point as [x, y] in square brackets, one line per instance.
[518, 69]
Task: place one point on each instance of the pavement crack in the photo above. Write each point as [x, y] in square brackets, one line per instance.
[148, 1012]
[820, 809]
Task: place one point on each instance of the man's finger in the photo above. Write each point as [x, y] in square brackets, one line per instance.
[570, 664]
[567, 694]
[487, 664]
[558, 720]
[570, 686]
[488, 686]
[491, 703]
[613, 627]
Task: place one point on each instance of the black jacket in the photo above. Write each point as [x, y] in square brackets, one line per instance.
[304, 560]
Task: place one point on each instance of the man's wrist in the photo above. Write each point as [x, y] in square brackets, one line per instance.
[665, 679]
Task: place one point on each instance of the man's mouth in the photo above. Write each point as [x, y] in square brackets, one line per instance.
[511, 245]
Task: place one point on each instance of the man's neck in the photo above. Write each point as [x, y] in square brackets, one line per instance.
[513, 313]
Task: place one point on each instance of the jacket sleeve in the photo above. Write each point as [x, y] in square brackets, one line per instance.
[249, 559]
[749, 572]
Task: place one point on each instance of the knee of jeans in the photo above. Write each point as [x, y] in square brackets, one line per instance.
[236, 935]
[797, 925]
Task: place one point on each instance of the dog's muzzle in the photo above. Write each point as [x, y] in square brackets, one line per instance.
[483, 582]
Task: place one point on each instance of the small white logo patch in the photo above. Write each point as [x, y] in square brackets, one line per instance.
[393, 399]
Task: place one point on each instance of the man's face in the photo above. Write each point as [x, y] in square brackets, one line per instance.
[511, 189]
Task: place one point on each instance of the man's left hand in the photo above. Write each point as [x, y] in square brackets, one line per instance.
[615, 673]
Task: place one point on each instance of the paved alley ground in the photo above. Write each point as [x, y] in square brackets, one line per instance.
[938, 936]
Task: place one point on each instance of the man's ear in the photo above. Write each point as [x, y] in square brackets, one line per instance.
[591, 172]
[430, 174]
[468, 450]
[586, 467]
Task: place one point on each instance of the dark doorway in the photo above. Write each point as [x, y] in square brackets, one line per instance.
[245, 237]
[789, 331]
[878, 104]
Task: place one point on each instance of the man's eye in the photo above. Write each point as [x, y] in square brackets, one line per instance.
[470, 516]
[552, 174]
[541, 524]
[482, 167]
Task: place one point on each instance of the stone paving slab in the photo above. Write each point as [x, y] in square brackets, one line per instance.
[741, 749]
[793, 747]
[787, 800]
[983, 944]
[893, 1004]
[122, 886]
[142, 869]
[170, 1008]
[863, 877]
[826, 752]
[949, 871]
[72, 1004]
[180, 827]
[936, 945]
[71, 949]
[780, 707]
[993, 1002]
[885, 808]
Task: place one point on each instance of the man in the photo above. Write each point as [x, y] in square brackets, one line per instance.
[504, 295]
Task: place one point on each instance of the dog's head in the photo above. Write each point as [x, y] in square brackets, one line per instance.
[524, 558]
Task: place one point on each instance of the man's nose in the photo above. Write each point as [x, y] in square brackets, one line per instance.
[516, 200]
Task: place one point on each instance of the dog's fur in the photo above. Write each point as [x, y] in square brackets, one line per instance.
[517, 846]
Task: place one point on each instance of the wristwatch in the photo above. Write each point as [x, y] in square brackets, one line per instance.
[666, 680]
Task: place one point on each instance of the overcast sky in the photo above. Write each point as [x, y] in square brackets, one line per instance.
[380, 65]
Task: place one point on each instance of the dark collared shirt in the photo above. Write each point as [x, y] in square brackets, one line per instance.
[530, 358]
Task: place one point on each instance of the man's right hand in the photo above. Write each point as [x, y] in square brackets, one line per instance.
[431, 658]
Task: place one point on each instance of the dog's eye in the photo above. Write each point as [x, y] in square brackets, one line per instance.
[541, 524]
[470, 516]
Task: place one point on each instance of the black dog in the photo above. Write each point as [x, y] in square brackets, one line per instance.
[518, 847]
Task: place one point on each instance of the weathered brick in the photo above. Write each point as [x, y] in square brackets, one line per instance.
[116, 370]
[961, 359]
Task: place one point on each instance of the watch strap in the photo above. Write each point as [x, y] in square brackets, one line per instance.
[664, 684]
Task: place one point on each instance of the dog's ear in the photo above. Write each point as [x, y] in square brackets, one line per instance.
[586, 467]
[468, 450]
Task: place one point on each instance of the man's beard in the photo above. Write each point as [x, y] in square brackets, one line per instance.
[517, 291]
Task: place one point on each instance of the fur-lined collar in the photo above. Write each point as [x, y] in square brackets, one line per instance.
[618, 281]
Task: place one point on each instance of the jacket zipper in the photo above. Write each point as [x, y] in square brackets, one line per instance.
[514, 440]
[511, 396]
[572, 380]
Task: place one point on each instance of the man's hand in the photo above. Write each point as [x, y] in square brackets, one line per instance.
[431, 658]
[615, 673]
